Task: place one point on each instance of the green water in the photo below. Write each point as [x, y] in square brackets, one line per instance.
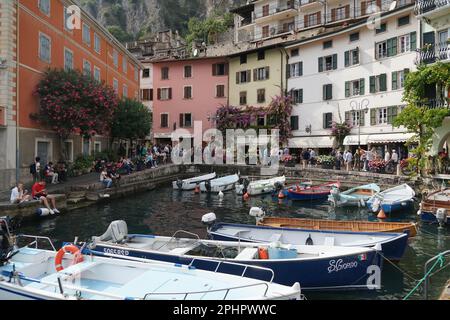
[164, 211]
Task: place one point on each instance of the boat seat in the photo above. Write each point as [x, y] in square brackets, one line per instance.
[275, 237]
[329, 241]
[180, 251]
[247, 254]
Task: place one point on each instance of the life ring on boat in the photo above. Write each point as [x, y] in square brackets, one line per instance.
[78, 257]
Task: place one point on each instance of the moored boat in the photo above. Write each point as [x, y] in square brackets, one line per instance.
[319, 192]
[190, 184]
[290, 264]
[36, 274]
[222, 184]
[333, 225]
[436, 207]
[353, 197]
[392, 200]
[393, 245]
[259, 187]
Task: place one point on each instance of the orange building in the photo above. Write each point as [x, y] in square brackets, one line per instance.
[36, 35]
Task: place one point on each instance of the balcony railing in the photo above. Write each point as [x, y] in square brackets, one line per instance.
[437, 103]
[433, 53]
[291, 5]
[424, 6]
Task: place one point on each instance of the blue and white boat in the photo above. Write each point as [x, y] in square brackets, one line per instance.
[392, 200]
[354, 197]
[435, 208]
[393, 245]
[30, 274]
[314, 267]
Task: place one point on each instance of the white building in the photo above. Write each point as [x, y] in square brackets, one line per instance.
[359, 65]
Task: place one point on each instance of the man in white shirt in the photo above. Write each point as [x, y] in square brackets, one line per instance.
[394, 157]
[348, 158]
[387, 156]
[18, 195]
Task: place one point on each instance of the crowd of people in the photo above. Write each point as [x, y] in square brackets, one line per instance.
[51, 173]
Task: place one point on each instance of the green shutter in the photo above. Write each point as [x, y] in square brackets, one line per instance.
[320, 64]
[362, 85]
[347, 89]
[373, 117]
[372, 84]
[255, 75]
[347, 58]
[267, 73]
[238, 78]
[383, 82]
[324, 92]
[413, 41]
[325, 121]
[347, 116]
[300, 96]
[394, 80]
[391, 114]
[335, 62]
[362, 118]
[300, 66]
[330, 92]
[288, 70]
[392, 47]
[357, 56]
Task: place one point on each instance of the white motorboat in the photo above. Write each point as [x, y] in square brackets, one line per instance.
[222, 184]
[31, 274]
[259, 187]
[190, 184]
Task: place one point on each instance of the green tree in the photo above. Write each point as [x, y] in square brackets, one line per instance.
[207, 30]
[418, 117]
[132, 120]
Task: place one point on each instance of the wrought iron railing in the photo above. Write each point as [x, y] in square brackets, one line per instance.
[424, 6]
[433, 53]
[261, 13]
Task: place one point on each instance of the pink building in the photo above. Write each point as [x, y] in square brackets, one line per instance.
[186, 91]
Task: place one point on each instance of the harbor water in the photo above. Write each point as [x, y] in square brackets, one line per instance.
[164, 211]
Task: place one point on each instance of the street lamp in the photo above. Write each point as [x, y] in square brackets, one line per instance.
[362, 107]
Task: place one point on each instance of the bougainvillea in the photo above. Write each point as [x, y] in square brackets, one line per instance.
[72, 103]
[340, 131]
[278, 115]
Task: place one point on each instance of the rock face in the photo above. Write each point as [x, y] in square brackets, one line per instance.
[130, 19]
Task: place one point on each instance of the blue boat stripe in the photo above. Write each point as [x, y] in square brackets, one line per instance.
[21, 294]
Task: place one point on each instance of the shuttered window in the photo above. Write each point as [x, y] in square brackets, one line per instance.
[295, 70]
[297, 96]
[328, 92]
[261, 74]
[351, 57]
[243, 76]
[164, 120]
[328, 63]
[45, 45]
[164, 94]
[294, 123]
[327, 120]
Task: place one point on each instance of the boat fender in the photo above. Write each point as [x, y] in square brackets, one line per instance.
[441, 216]
[281, 195]
[378, 247]
[197, 189]
[208, 186]
[257, 212]
[42, 212]
[246, 196]
[78, 257]
[309, 241]
[221, 195]
[376, 205]
[263, 253]
[419, 212]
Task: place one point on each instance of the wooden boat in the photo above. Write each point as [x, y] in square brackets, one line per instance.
[226, 183]
[290, 264]
[313, 193]
[353, 197]
[392, 200]
[30, 274]
[331, 225]
[431, 204]
[190, 184]
[259, 187]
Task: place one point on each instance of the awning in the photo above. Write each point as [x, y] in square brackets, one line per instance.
[311, 142]
[356, 140]
[390, 138]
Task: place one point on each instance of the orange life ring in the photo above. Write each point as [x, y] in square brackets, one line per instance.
[78, 257]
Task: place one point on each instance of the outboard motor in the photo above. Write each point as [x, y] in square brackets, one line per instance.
[179, 184]
[376, 205]
[208, 185]
[6, 241]
[335, 196]
[245, 183]
[441, 216]
[117, 233]
[278, 186]
[209, 219]
[257, 213]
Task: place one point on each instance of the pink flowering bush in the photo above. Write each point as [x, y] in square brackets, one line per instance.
[340, 131]
[73, 103]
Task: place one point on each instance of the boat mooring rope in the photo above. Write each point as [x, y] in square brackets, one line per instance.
[440, 261]
[398, 268]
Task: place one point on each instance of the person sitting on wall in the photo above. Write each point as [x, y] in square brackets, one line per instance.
[49, 172]
[39, 192]
[61, 169]
[113, 175]
[105, 179]
[19, 195]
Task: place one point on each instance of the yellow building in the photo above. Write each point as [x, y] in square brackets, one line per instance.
[257, 76]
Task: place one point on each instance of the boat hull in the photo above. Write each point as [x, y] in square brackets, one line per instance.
[392, 249]
[394, 207]
[343, 272]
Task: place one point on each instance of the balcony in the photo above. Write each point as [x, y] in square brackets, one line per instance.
[438, 103]
[432, 8]
[280, 30]
[276, 12]
[433, 53]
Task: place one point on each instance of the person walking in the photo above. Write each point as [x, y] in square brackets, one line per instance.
[305, 158]
[348, 160]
